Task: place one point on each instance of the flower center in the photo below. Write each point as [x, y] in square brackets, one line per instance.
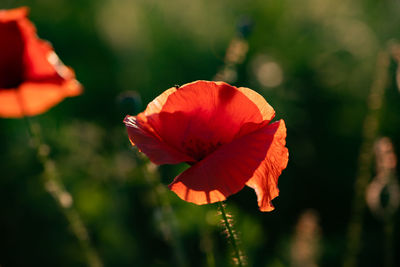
[199, 149]
[11, 55]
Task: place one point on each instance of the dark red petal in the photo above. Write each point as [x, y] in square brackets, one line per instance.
[11, 55]
[35, 98]
[141, 135]
[227, 170]
[198, 117]
[265, 179]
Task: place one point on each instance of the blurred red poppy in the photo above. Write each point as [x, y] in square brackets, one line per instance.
[223, 132]
[32, 78]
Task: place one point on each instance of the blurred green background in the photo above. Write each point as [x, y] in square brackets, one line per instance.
[314, 62]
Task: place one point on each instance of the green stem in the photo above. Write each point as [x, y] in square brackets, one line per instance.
[231, 234]
[365, 160]
[54, 186]
[168, 219]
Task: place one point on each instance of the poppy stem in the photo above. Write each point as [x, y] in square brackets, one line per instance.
[227, 222]
[54, 186]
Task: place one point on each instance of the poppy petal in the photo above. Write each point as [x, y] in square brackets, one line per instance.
[266, 110]
[205, 112]
[13, 14]
[265, 179]
[141, 135]
[227, 170]
[35, 98]
[43, 64]
[158, 103]
[32, 78]
[36, 53]
[11, 60]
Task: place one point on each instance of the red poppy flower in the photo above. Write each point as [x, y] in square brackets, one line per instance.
[32, 78]
[223, 132]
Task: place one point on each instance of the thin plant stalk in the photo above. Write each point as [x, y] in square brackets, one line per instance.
[231, 235]
[207, 246]
[235, 54]
[54, 186]
[365, 160]
[167, 220]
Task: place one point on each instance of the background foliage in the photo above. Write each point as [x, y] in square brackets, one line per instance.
[314, 62]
